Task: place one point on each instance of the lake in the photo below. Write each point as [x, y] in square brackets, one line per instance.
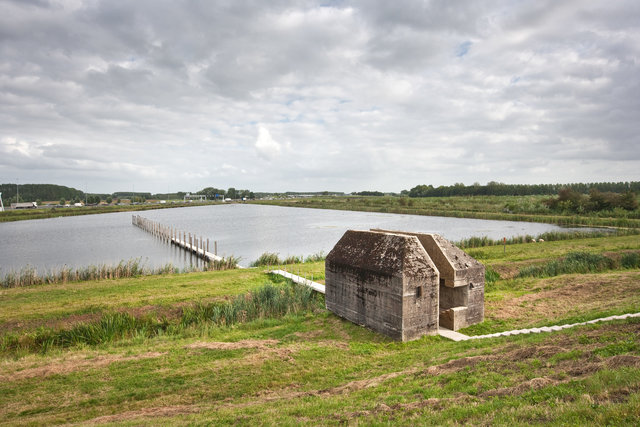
[242, 230]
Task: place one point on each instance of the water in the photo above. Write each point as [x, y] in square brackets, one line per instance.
[244, 231]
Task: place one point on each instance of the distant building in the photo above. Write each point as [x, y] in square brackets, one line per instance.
[26, 205]
[404, 285]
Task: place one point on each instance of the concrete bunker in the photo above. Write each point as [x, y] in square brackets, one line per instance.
[404, 285]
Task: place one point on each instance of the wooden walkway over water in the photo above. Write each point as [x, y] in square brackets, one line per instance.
[193, 244]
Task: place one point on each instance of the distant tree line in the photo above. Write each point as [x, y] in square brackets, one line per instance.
[499, 189]
[368, 193]
[33, 192]
[213, 193]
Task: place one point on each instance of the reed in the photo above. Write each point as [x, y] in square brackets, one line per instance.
[573, 263]
[267, 301]
[270, 258]
[317, 257]
[29, 276]
[267, 258]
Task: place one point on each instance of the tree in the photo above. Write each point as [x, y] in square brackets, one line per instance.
[628, 201]
[109, 200]
[232, 193]
[63, 202]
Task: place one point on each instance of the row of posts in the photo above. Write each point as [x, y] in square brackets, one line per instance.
[200, 246]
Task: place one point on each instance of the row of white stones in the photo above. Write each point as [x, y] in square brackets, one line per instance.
[553, 328]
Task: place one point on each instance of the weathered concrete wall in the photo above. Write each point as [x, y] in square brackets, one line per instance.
[461, 281]
[384, 281]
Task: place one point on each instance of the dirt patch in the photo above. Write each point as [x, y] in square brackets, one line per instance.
[333, 343]
[623, 361]
[349, 387]
[309, 335]
[511, 269]
[456, 365]
[171, 313]
[564, 296]
[74, 364]
[62, 323]
[507, 359]
[163, 411]
[523, 387]
[220, 345]
[267, 349]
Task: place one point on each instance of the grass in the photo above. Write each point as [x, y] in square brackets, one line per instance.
[574, 262]
[267, 301]
[29, 276]
[156, 350]
[273, 259]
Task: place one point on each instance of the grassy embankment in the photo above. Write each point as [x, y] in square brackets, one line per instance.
[174, 366]
[42, 213]
[509, 208]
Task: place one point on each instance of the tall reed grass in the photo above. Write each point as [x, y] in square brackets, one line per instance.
[29, 275]
[581, 263]
[264, 302]
[270, 258]
[267, 301]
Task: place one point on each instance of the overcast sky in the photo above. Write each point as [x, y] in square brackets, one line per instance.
[347, 96]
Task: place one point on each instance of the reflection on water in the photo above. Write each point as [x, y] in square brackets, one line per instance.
[245, 231]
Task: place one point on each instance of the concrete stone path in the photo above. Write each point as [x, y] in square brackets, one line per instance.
[456, 336]
[300, 280]
[461, 337]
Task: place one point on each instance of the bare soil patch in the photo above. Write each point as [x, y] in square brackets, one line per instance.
[566, 295]
[163, 411]
[219, 345]
[74, 364]
[67, 322]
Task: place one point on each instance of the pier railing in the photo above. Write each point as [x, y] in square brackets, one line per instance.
[187, 241]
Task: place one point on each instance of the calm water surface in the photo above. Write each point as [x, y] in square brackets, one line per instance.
[245, 231]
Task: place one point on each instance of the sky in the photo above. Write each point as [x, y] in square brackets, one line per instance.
[164, 96]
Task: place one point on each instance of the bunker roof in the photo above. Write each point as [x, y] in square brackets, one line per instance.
[386, 254]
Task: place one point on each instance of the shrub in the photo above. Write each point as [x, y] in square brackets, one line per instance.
[267, 258]
[630, 260]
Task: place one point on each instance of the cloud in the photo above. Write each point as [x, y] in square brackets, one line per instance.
[349, 95]
[266, 146]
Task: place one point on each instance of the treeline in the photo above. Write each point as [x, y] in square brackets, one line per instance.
[33, 192]
[62, 194]
[368, 193]
[499, 189]
[213, 193]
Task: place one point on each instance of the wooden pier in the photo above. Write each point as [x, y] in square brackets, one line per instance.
[187, 241]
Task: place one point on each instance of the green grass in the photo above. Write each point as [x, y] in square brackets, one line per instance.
[154, 350]
[266, 301]
[574, 262]
[29, 276]
[268, 259]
